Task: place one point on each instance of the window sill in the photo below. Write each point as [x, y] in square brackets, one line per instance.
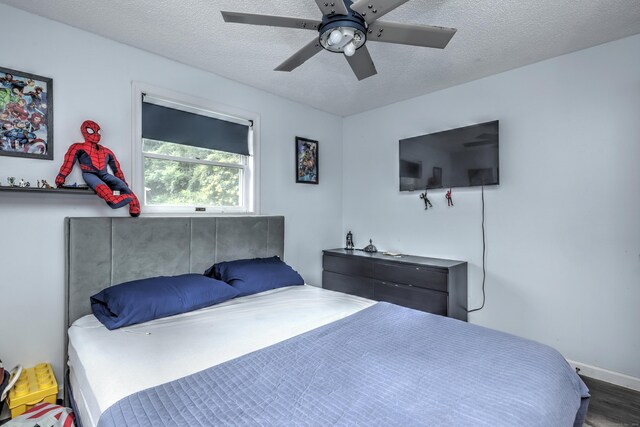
[164, 211]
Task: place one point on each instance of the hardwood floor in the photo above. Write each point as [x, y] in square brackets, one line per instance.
[611, 405]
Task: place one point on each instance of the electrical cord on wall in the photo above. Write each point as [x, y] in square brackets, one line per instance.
[484, 246]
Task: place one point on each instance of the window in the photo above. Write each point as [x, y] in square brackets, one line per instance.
[193, 159]
[180, 175]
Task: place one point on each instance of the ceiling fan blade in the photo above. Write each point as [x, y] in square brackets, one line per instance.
[415, 35]
[362, 64]
[374, 9]
[299, 58]
[270, 20]
[332, 7]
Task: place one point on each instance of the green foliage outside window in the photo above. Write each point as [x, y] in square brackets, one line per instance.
[181, 183]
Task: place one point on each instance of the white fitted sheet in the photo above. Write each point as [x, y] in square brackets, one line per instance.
[106, 366]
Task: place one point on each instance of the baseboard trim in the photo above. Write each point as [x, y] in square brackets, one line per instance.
[612, 377]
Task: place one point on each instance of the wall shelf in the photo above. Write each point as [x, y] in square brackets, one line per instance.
[47, 190]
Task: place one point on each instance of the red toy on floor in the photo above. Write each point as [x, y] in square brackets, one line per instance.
[94, 159]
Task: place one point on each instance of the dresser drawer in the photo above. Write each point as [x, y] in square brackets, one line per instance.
[411, 296]
[348, 265]
[423, 277]
[353, 285]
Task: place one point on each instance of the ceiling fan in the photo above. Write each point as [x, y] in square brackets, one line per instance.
[345, 28]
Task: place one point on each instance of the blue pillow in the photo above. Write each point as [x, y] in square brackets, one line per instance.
[250, 276]
[147, 299]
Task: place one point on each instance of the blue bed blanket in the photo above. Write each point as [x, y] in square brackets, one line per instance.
[385, 365]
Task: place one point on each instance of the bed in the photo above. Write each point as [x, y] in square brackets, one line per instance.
[292, 356]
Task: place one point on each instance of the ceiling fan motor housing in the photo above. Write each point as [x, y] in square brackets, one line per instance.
[352, 27]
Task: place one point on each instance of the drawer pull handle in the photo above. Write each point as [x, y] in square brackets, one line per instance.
[396, 285]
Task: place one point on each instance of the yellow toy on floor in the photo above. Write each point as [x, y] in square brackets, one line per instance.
[35, 385]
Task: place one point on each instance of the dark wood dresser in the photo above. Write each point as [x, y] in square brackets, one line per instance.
[433, 285]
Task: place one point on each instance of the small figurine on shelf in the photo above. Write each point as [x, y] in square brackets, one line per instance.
[24, 184]
[349, 246]
[370, 247]
[45, 184]
[449, 199]
[12, 181]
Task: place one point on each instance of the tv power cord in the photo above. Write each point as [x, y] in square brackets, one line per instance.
[484, 250]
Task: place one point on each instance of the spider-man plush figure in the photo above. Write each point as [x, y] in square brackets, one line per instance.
[94, 159]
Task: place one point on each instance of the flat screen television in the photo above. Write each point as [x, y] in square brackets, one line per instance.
[463, 157]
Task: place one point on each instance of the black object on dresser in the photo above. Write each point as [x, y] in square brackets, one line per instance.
[433, 285]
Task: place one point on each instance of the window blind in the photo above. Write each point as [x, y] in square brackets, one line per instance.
[182, 127]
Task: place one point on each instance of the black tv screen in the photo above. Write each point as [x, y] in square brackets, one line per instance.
[463, 157]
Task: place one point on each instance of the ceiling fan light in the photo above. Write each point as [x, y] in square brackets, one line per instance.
[335, 37]
[349, 49]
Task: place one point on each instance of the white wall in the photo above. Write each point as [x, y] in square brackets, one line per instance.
[563, 228]
[92, 79]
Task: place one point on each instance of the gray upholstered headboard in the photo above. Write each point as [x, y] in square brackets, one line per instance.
[102, 252]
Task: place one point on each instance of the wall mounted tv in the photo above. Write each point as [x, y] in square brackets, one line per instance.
[463, 157]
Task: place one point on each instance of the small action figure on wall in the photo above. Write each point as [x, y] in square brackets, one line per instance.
[449, 199]
[94, 159]
[427, 203]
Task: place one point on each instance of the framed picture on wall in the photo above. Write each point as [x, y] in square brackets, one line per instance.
[26, 115]
[307, 167]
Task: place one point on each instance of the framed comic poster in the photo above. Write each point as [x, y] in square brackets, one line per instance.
[306, 161]
[26, 115]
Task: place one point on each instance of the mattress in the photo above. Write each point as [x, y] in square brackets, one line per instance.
[385, 365]
[106, 366]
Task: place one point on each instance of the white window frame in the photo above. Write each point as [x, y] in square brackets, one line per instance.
[161, 96]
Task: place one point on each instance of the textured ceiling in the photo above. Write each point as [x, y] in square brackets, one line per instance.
[493, 36]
